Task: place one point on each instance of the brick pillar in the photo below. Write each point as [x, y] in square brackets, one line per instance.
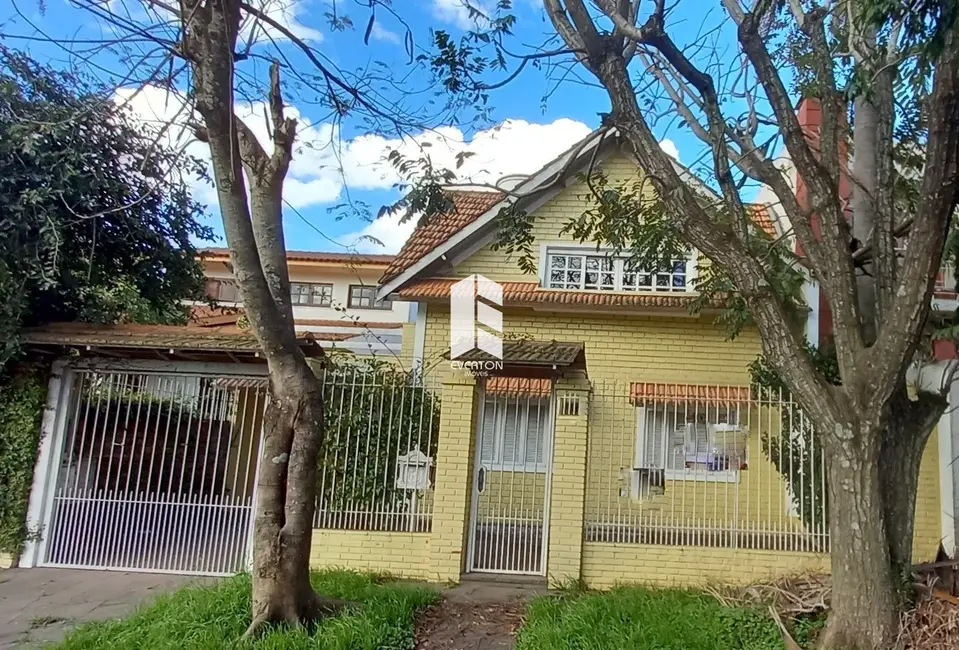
[568, 488]
[454, 463]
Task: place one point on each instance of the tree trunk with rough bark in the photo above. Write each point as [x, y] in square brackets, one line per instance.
[286, 502]
[864, 604]
[253, 223]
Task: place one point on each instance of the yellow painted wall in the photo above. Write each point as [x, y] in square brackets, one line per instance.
[6, 560]
[551, 217]
[928, 531]
[396, 553]
[605, 565]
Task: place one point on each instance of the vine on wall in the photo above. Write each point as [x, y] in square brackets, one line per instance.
[22, 397]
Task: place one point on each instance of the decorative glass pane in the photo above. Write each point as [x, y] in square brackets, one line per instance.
[555, 278]
[557, 262]
[644, 281]
[573, 277]
[592, 279]
[679, 281]
[575, 262]
[609, 280]
[662, 280]
[592, 263]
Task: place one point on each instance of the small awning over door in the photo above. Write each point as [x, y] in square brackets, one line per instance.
[534, 358]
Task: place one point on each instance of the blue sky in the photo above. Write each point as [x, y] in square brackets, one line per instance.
[531, 130]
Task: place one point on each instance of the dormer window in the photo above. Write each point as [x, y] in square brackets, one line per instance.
[589, 270]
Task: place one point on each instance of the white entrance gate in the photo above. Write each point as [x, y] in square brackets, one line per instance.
[510, 504]
[155, 471]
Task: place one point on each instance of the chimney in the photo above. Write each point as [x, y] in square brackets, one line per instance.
[809, 112]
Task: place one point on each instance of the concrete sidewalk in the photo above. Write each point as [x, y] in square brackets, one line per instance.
[41, 605]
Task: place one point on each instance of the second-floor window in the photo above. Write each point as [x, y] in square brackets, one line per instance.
[599, 272]
[364, 297]
[221, 290]
[314, 294]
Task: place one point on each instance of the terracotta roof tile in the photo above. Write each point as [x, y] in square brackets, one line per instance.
[159, 337]
[763, 218]
[467, 207]
[528, 293]
[704, 393]
[525, 352]
[519, 386]
[318, 256]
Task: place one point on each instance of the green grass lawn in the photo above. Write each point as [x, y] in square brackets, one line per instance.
[205, 618]
[637, 618]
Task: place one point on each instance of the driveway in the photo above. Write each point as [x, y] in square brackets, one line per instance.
[42, 605]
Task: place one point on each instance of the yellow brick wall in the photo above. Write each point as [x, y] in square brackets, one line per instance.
[928, 531]
[551, 217]
[605, 565]
[454, 467]
[395, 553]
[567, 493]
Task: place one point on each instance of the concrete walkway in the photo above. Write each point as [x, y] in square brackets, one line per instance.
[41, 605]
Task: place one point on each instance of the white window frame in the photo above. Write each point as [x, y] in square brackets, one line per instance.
[640, 462]
[496, 463]
[619, 269]
[310, 294]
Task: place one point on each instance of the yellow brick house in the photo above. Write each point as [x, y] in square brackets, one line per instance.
[618, 440]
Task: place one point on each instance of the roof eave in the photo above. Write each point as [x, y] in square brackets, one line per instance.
[542, 180]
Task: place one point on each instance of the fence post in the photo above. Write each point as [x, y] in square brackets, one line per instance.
[568, 484]
[454, 463]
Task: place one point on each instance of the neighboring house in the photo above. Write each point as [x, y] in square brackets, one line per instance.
[334, 298]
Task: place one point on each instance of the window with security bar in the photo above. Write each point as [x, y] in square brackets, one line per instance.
[690, 441]
[607, 272]
[513, 434]
[703, 465]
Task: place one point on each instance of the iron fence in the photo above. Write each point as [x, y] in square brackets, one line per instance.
[377, 461]
[703, 465]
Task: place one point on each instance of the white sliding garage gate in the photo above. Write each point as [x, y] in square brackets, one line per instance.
[151, 469]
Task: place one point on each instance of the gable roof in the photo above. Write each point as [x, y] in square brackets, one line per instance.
[467, 207]
[432, 240]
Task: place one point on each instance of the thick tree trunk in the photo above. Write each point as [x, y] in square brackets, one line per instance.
[909, 427]
[864, 613]
[285, 504]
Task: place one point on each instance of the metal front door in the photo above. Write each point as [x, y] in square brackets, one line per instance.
[156, 473]
[510, 504]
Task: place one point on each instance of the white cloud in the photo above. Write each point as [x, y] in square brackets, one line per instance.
[456, 12]
[670, 148]
[323, 164]
[287, 13]
[514, 147]
[380, 33]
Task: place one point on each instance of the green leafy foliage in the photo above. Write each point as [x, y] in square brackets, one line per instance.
[208, 618]
[640, 618]
[22, 397]
[797, 453]
[96, 221]
[373, 413]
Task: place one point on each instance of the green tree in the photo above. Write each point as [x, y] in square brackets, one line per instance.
[96, 222]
